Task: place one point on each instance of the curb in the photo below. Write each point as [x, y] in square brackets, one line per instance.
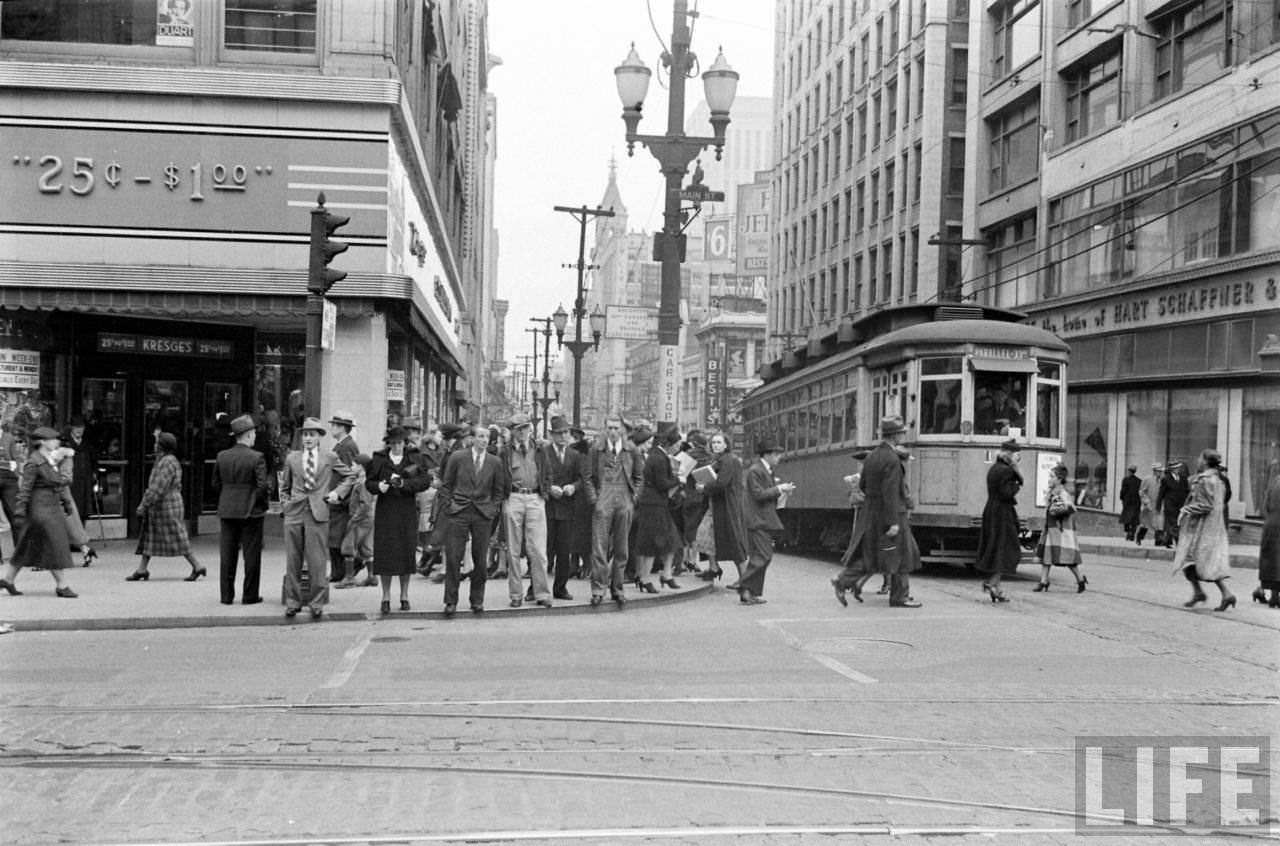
[303, 619]
[1244, 562]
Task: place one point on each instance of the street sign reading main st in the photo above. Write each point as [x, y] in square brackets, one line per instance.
[704, 196]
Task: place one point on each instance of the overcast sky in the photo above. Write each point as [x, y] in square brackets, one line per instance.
[559, 121]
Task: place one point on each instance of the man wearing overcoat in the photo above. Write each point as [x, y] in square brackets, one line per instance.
[564, 467]
[761, 519]
[342, 540]
[883, 532]
[240, 478]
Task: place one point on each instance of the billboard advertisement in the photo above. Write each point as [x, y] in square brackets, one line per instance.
[753, 230]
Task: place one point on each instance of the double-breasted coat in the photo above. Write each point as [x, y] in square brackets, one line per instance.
[998, 548]
[164, 533]
[395, 529]
[43, 540]
[886, 503]
[727, 495]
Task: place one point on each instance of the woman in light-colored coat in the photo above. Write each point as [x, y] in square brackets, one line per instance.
[1202, 552]
[1149, 519]
[1058, 544]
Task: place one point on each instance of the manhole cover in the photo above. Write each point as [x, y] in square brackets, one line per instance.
[389, 639]
[855, 645]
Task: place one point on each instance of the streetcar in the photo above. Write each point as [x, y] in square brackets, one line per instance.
[964, 378]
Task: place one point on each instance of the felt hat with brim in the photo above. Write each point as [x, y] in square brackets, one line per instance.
[167, 440]
[411, 423]
[312, 424]
[44, 433]
[344, 418]
[577, 432]
[242, 424]
[559, 424]
[394, 435]
[640, 435]
[768, 446]
[451, 430]
[519, 421]
[892, 425]
[1011, 446]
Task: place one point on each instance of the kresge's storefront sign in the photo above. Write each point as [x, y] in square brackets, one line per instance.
[115, 342]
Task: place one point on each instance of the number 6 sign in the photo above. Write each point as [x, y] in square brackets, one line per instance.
[718, 238]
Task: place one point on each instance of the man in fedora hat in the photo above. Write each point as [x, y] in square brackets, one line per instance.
[564, 481]
[1172, 493]
[764, 490]
[612, 479]
[342, 535]
[311, 485]
[240, 478]
[882, 535]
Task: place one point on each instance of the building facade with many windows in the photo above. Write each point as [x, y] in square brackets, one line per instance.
[160, 170]
[1124, 174]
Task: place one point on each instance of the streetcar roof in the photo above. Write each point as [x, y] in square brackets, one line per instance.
[969, 331]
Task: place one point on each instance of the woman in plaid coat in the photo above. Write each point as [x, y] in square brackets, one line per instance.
[1058, 545]
[163, 531]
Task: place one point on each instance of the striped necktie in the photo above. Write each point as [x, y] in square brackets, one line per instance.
[309, 475]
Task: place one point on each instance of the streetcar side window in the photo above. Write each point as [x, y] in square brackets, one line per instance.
[1048, 400]
[940, 385]
[999, 402]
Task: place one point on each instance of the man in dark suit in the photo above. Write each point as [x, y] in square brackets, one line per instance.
[342, 540]
[612, 478]
[240, 478]
[305, 498]
[472, 489]
[762, 523]
[564, 466]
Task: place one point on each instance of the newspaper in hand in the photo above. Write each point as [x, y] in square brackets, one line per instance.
[703, 475]
[684, 463]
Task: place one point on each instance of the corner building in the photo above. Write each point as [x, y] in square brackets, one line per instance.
[1125, 182]
[158, 177]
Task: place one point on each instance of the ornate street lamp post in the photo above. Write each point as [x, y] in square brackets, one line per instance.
[578, 347]
[674, 151]
[545, 400]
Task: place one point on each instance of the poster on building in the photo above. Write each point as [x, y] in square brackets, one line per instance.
[395, 386]
[714, 383]
[19, 369]
[630, 323]
[717, 240]
[173, 23]
[736, 359]
[753, 230]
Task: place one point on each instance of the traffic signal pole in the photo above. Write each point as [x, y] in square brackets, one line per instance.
[319, 280]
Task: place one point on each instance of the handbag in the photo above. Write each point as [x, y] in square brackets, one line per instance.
[1059, 506]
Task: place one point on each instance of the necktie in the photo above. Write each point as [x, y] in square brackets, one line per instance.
[309, 476]
[478, 454]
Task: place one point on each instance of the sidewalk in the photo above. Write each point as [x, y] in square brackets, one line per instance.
[1243, 556]
[107, 601]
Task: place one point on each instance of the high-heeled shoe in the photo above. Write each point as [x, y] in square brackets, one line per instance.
[385, 607]
[1195, 600]
[1275, 599]
[1259, 596]
[671, 583]
[404, 605]
[1227, 602]
[195, 574]
[8, 586]
[711, 574]
[646, 587]
[66, 593]
[138, 576]
[995, 593]
[1084, 580]
[90, 556]
[1040, 588]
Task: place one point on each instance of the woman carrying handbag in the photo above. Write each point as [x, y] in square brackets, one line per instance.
[1058, 545]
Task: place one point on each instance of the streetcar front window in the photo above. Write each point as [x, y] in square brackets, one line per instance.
[940, 385]
[1049, 401]
[999, 402]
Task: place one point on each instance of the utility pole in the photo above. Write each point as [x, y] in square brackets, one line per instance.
[578, 347]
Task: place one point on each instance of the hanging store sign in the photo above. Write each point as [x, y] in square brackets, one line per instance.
[19, 369]
[753, 230]
[714, 395]
[116, 342]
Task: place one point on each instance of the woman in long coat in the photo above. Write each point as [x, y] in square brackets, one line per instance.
[1130, 502]
[1149, 517]
[1269, 548]
[694, 509]
[580, 533]
[1203, 554]
[164, 533]
[656, 534]
[1058, 544]
[727, 495]
[395, 479]
[42, 538]
[998, 547]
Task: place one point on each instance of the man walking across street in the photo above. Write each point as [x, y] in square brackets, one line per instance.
[762, 523]
[882, 531]
[341, 539]
[472, 492]
[240, 478]
[525, 512]
[564, 466]
[306, 496]
[612, 478]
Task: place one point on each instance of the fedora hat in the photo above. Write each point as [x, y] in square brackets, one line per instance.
[242, 424]
[767, 446]
[640, 434]
[312, 424]
[451, 430]
[519, 420]
[411, 423]
[1011, 445]
[44, 433]
[559, 424]
[344, 418]
[394, 434]
[891, 425]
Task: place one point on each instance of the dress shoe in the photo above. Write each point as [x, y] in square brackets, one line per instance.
[196, 573]
[1228, 602]
[619, 597]
[1259, 596]
[345, 584]
[596, 599]
[884, 589]
[1084, 580]
[291, 612]
[317, 613]
[251, 600]
[8, 586]
[477, 609]
[68, 593]
[228, 602]
[647, 587]
[385, 607]
[1196, 599]
[909, 603]
[671, 583]
[516, 603]
[404, 605]
[746, 597]
[1040, 588]
[835, 583]
[563, 594]
[449, 609]
[731, 586]
[545, 603]
[371, 581]
[138, 576]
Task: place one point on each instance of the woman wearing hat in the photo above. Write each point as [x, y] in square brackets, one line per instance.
[1130, 502]
[656, 533]
[164, 533]
[1058, 546]
[726, 493]
[1203, 554]
[396, 480]
[998, 548]
[1149, 518]
[43, 540]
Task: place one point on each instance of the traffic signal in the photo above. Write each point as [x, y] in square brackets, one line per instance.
[323, 224]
